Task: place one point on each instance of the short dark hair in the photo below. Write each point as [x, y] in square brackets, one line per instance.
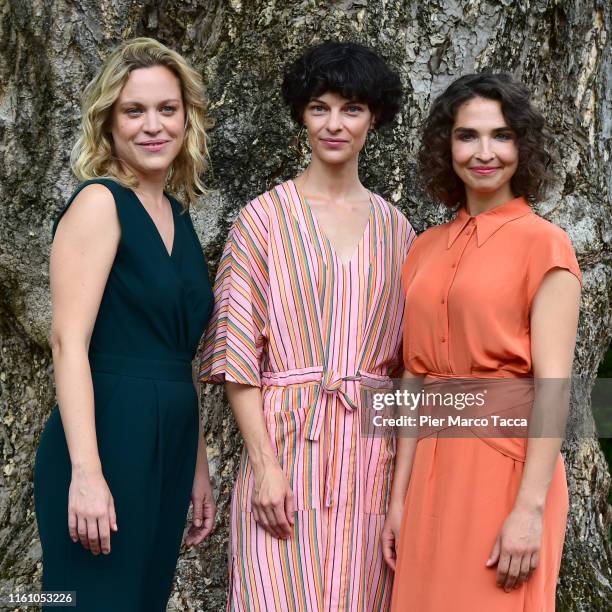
[531, 179]
[354, 71]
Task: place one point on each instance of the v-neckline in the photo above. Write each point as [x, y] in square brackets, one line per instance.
[343, 262]
[169, 253]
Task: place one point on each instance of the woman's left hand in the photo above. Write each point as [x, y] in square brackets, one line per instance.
[517, 548]
[204, 510]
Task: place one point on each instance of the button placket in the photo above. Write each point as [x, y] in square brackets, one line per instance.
[457, 251]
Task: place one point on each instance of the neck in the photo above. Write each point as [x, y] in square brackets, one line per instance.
[477, 203]
[150, 186]
[332, 182]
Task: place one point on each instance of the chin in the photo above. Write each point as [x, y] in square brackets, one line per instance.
[155, 163]
[483, 186]
[153, 169]
[335, 159]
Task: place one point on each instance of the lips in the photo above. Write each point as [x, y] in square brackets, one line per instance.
[484, 170]
[333, 143]
[153, 146]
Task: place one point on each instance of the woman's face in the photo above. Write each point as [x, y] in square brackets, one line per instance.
[484, 149]
[148, 121]
[337, 127]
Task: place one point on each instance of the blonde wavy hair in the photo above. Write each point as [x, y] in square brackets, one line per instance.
[93, 155]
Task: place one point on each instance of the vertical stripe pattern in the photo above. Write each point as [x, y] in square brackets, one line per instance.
[310, 329]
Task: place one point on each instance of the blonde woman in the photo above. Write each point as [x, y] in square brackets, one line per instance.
[121, 456]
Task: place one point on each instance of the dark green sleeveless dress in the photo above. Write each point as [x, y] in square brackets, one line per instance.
[152, 314]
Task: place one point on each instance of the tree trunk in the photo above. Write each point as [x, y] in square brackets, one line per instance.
[50, 50]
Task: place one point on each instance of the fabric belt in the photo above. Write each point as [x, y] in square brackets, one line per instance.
[178, 370]
[331, 384]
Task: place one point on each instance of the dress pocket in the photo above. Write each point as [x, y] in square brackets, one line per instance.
[286, 410]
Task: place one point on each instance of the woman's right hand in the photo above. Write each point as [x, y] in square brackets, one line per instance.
[389, 537]
[272, 502]
[91, 511]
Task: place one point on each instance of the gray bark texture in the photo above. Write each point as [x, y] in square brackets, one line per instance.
[49, 50]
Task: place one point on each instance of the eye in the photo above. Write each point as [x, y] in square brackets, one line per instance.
[317, 108]
[353, 109]
[465, 137]
[504, 136]
[133, 111]
[169, 110]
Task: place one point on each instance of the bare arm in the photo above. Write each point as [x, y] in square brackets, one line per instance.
[404, 457]
[272, 501]
[554, 318]
[83, 251]
[202, 499]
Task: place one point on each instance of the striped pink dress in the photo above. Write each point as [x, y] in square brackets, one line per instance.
[309, 329]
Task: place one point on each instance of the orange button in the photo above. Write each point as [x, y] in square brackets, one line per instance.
[442, 340]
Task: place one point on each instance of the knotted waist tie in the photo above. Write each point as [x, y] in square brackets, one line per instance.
[331, 384]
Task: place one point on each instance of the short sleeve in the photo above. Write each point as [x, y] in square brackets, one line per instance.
[406, 238]
[231, 348]
[552, 250]
[410, 262]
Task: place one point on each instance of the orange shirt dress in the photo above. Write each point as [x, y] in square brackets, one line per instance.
[469, 288]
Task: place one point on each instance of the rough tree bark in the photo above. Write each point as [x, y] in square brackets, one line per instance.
[50, 49]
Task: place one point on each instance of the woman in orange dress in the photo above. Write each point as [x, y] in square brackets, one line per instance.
[477, 523]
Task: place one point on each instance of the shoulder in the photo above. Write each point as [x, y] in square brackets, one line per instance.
[251, 226]
[256, 211]
[433, 236]
[88, 230]
[539, 234]
[402, 231]
[534, 225]
[426, 244]
[101, 193]
[391, 211]
[92, 206]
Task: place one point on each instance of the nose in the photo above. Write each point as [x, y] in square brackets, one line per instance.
[152, 124]
[485, 153]
[334, 121]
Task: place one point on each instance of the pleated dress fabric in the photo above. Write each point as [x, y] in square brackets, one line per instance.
[311, 330]
[152, 313]
[469, 288]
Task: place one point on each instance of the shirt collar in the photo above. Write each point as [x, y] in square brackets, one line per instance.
[487, 223]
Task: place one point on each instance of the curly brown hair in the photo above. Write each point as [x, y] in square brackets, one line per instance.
[531, 179]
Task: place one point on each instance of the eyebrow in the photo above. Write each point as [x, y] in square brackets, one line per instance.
[319, 101]
[495, 130]
[136, 102]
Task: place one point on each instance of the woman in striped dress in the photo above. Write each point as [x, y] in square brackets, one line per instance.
[308, 312]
